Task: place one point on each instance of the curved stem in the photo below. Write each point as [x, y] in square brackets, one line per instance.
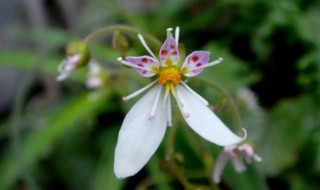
[170, 142]
[123, 28]
[233, 106]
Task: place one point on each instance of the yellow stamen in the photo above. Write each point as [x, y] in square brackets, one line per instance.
[166, 94]
[170, 87]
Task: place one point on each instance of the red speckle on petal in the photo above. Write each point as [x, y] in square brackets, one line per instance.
[140, 65]
[144, 60]
[198, 64]
[144, 72]
[174, 53]
[172, 46]
[195, 58]
[164, 52]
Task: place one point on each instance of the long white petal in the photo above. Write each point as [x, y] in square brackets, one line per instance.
[203, 121]
[139, 137]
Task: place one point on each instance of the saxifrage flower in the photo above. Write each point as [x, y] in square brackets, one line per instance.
[144, 126]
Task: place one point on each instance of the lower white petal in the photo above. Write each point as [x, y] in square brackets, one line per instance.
[139, 137]
[238, 164]
[203, 121]
[220, 164]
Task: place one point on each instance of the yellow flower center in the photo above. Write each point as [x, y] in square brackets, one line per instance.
[170, 74]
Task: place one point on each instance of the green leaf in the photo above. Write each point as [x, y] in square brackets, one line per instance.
[40, 141]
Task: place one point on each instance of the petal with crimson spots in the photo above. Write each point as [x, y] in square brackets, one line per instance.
[193, 61]
[149, 66]
[169, 54]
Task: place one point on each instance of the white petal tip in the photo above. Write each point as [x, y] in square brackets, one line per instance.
[245, 133]
[125, 98]
[119, 59]
[120, 176]
[217, 181]
[61, 77]
[169, 29]
[257, 158]
[220, 59]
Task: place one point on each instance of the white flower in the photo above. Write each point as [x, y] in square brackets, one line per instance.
[144, 126]
[237, 154]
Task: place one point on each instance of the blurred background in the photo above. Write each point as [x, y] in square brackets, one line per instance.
[53, 137]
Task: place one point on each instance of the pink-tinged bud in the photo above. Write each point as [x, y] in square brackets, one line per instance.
[78, 55]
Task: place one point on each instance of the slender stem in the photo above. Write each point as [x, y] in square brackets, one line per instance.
[171, 138]
[170, 162]
[233, 106]
[15, 122]
[123, 28]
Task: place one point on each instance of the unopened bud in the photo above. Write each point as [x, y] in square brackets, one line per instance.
[77, 55]
[80, 49]
[120, 42]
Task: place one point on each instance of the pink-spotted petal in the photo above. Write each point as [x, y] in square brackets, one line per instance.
[193, 64]
[169, 54]
[149, 66]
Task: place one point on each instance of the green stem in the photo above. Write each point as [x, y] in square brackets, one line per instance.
[154, 42]
[15, 122]
[170, 142]
[233, 106]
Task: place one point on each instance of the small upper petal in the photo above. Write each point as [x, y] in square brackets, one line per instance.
[139, 137]
[193, 64]
[169, 54]
[203, 121]
[149, 66]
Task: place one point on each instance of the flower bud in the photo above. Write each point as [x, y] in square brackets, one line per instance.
[120, 42]
[78, 48]
[78, 54]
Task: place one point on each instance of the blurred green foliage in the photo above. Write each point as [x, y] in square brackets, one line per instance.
[60, 139]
